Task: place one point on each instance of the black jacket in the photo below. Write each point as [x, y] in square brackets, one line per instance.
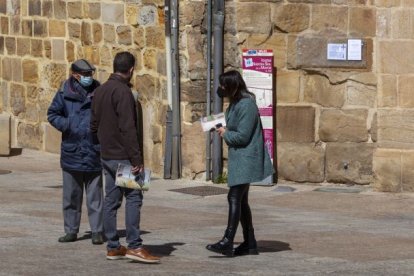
[114, 120]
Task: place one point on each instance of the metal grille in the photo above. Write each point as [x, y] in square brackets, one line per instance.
[202, 190]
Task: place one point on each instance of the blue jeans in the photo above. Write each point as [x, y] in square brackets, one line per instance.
[112, 202]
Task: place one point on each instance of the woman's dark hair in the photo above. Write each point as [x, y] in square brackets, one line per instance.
[235, 86]
[123, 62]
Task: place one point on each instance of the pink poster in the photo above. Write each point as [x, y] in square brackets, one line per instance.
[258, 75]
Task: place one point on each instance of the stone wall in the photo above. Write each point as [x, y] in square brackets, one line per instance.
[349, 122]
[40, 38]
[341, 122]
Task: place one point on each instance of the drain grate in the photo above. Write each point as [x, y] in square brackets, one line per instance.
[338, 190]
[201, 190]
[5, 171]
[55, 187]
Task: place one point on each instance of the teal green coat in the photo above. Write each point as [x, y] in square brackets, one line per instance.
[248, 159]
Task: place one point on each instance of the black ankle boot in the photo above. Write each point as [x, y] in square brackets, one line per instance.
[248, 246]
[225, 247]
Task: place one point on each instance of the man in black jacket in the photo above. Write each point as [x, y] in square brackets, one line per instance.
[114, 121]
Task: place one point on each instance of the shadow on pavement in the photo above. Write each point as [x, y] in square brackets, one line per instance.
[121, 233]
[264, 247]
[272, 246]
[163, 249]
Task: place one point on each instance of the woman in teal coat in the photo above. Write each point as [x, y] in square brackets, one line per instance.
[248, 161]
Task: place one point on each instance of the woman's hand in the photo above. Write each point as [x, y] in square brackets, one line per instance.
[221, 131]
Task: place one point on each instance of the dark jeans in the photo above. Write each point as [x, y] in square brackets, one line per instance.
[239, 210]
[112, 202]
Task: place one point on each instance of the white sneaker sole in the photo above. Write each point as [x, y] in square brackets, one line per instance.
[115, 257]
[136, 258]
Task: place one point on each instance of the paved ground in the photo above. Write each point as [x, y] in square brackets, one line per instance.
[305, 232]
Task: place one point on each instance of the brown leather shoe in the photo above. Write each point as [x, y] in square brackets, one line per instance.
[142, 255]
[116, 254]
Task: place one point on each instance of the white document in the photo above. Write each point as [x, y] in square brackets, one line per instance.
[336, 51]
[213, 121]
[354, 49]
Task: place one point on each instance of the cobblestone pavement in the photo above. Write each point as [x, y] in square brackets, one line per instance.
[304, 232]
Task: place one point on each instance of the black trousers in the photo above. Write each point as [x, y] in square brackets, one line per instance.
[239, 210]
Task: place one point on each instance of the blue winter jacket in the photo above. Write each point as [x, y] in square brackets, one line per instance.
[70, 113]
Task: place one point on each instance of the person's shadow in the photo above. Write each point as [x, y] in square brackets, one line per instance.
[121, 233]
[264, 246]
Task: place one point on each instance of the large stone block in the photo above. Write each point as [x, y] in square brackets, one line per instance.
[318, 89]
[47, 8]
[1, 45]
[17, 99]
[396, 57]
[4, 28]
[91, 53]
[86, 33]
[148, 16]
[75, 10]
[124, 35]
[362, 21]
[387, 3]
[343, 125]
[384, 23]
[193, 91]
[287, 86]
[139, 37]
[396, 128]
[10, 44]
[301, 162]
[387, 170]
[359, 94]
[23, 46]
[35, 7]
[405, 91]
[30, 71]
[54, 74]
[5, 136]
[97, 32]
[70, 51]
[295, 124]
[58, 49]
[349, 163]
[195, 48]
[132, 15]
[150, 59]
[401, 23]
[155, 37]
[387, 91]
[407, 171]
[253, 22]
[93, 10]
[329, 17]
[193, 112]
[74, 30]
[52, 138]
[291, 17]
[59, 9]
[193, 149]
[109, 33]
[192, 13]
[30, 135]
[112, 13]
[16, 64]
[57, 28]
[146, 86]
[7, 73]
[40, 28]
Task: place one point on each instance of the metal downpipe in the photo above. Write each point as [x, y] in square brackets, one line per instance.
[218, 69]
[208, 94]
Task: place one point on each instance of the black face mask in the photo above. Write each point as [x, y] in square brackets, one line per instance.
[221, 92]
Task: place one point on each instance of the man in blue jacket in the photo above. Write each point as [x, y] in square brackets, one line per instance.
[70, 113]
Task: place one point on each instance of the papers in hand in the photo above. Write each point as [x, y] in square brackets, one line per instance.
[126, 179]
[211, 122]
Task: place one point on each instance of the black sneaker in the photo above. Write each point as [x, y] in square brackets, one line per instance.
[68, 238]
[97, 238]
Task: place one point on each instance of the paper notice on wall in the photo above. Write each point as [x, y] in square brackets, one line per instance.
[336, 51]
[354, 49]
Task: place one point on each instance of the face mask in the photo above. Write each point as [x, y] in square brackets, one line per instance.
[86, 81]
[221, 92]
